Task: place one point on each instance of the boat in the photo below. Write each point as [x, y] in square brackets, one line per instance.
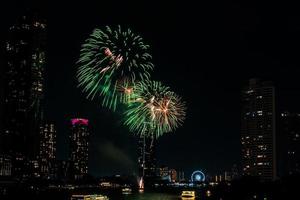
[89, 197]
[141, 185]
[188, 194]
[126, 190]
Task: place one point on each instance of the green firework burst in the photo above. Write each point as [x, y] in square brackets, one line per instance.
[110, 60]
[154, 109]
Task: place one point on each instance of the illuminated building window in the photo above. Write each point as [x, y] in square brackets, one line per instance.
[262, 147]
[25, 26]
[22, 42]
[36, 24]
[8, 47]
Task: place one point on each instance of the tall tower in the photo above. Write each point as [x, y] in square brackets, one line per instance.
[47, 154]
[23, 90]
[147, 159]
[79, 147]
[258, 130]
[290, 143]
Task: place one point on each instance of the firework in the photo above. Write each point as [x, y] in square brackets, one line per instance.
[153, 109]
[110, 61]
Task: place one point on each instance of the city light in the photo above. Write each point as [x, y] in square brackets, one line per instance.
[197, 176]
[127, 99]
[208, 193]
[80, 121]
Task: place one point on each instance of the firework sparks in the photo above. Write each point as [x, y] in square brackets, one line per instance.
[106, 58]
[156, 110]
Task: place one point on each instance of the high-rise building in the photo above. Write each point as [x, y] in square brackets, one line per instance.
[181, 175]
[258, 130]
[164, 172]
[47, 150]
[147, 159]
[63, 170]
[23, 91]
[289, 143]
[173, 175]
[235, 172]
[5, 165]
[79, 147]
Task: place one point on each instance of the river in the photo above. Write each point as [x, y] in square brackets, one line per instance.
[145, 196]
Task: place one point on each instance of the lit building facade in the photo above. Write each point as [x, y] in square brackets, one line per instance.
[147, 159]
[23, 91]
[5, 165]
[173, 175]
[63, 170]
[79, 147]
[47, 150]
[164, 172]
[258, 130]
[235, 174]
[290, 143]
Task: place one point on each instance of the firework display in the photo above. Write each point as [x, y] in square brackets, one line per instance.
[110, 61]
[115, 65]
[154, 109]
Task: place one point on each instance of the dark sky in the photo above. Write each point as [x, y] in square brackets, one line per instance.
[204, 51]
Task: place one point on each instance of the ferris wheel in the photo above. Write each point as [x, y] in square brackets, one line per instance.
[198, 176]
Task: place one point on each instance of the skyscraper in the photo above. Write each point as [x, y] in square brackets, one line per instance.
[181, 175]
[147, 159]
[173, 175]
[79, 147]
[290, 143]
[23, 91]
[47, 154]
[258, 130]
[5, 165]
[164, 172]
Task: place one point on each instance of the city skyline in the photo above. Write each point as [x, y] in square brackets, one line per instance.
[212, 98]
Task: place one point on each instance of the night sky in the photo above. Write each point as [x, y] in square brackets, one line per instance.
[205, 52]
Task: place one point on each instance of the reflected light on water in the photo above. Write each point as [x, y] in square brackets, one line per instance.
[152, 196]
[188, 198]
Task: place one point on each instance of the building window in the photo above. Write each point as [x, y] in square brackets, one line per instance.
[8, 47]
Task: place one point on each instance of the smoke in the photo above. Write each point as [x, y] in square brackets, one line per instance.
[112, 159]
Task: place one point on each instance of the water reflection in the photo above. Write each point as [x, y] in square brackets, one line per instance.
[187, 198]
[149, 196]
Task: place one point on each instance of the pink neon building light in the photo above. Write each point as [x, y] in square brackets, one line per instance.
[80, 121]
